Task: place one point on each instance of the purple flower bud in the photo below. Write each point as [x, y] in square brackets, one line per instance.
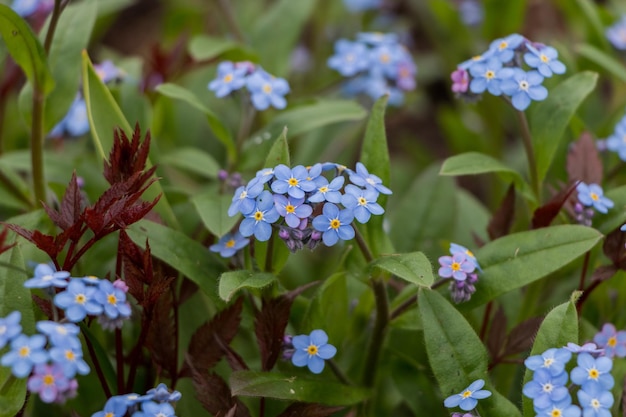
[121, 285]
[222, 175]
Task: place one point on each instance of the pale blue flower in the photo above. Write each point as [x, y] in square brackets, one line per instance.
[523, 87]
[468, 398]
[334, 224]
[312, 350]
[258, 221]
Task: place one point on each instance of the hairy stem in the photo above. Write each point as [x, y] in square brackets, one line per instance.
[530, 154]
[365, 250]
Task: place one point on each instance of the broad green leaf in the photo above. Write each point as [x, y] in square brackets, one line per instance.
[616, 216]
[104, 117]
[549, 118]
[234, 281]
[193, 160]
[14, 297]
[456, 354]
[474, 163]
[220, 131]
[590, 12]
[603, 59]
[203, 47]
[25, 49]
[412, 267]
[558, 329]
[276, 32]
[375, 157]
[294, 388]
[213, 210]
[329, 302]
[279, 153]
[182, 253]
[521, 258]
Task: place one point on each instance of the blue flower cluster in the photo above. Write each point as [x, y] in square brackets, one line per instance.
[461, 267]
[361, 5]
[379, 64]
[297, 196]
[265, 89]
[76, 122]
[499, 71]
[50, 359]
[616, 34]
[26, 8]
[549, 391]
[468, 398]
[617, 141]
[157, 402]
[591, 195]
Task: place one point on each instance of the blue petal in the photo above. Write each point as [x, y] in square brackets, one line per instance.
[327, 351]
[330, 237]
[318, 337]
[316, 364]
[300, 358]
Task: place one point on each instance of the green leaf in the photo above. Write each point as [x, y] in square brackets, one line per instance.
[220, 131]
[473, 163]
[182, 253]
[234, 281]
[103, 357]
[456, 354]
[202, 48]
[276, 32]
[192, 160]
[329, 302]
[604, 60]
[558, 329]
[293, 388]
[590, 12]
[279, 154]
[14, 297]
[521, 258]
[549, 118]
[25, 49]
[213, 210]
[412, 267]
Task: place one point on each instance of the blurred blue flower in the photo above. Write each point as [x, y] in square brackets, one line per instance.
[25, 8]
[76, 121]
[592, 195]
[592, 371]
[113, 300]
[546, 389]
[504, 48]
[544, 60]
[114, 407]
[595, 401]
[468, 398]
[60, 334]
[49, 382]
[152, 409]
[612, 341]
[107, 71]
[245, 196]
[334, 224]
[312, 350]
[294, 182]
[616, 34]
[292, 209]
[456, 248]
[267, 90]
[229, 244]
[471, 12]
[364, 179]
[377, 38]
[590, 348]
[230, 77]
[328, 191]
[362, 202]
[46, 276]
[563, 408]
[553, 360]
[69, 360]
[350, 58]
[617, 141]
[162, 394]
[486, 76]
[362, 5]
[457, 266]
[78, 300]
[258, 221]
[10, 328]
[24, 354]
[523, 87]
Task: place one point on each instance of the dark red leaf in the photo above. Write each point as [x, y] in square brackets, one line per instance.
[583, 161]
[127, 158]
[205, 347]
[136, 266]
[500, 223]
[522, 336]
[71, 210]
[309, 410]
[46, 243]
[602, 273]
[162, 335]
[614, 249]
[543, 216]
[44, 305]
[497, 334]
[3, 238]
[235, 361]
[214, 395]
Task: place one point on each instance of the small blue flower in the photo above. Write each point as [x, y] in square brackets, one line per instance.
[60, 334]
[592, 195]
[152, 409]
[265, 175]
[522, 87]
[25, 8]
[362, 202]
[364, 179]
[113, 300]
[544, 60]
[456, 248]
[78, 301]
[592, 371]
[294, 181]
[457, 266]
[612, 341]
[590, 348]
[312, 350]
[596, 402]
[229, 244]
[616, 34]
[162, 394]
[114, 407]
[334, 224]
[377, 38]
[361, 5]
[350, 58]
[554, 360]
[10, 328]
[76, 121]
[617, 141]
[471, 12]
[545, 389]
[384, 59]
[292, 209]
[230, 77]
[504, 48]
[486, 76]
[245, 196]
[563, 408]
[25, 353]
[328, 192]
[46, 276]
[258, 221]
[107, 71]
[469, 397]
[49, 382]
[267, 90]
[70, 360]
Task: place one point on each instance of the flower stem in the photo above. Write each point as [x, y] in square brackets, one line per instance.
[367, 253]
[379, 331]
[96, 364]
[583, 272]
[527, 140]
[36, 145]
[338, 372]
[119, 361]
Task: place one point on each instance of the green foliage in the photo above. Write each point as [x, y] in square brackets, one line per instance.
[412, 267]
[604, 60]
[235, 281]
[279, 153]
[214, 212]
[204, 47]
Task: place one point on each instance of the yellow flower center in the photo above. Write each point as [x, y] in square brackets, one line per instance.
[384, 58]
[311, 350]
[555, 413]
[455, 266]
[323, 189]
[477, 57]
[362, 201]
[490, 74]
[109, 415]
[547, 362]
[544, 58]
[48, 379]
[227, 78]
[61, 330]
[111, 299]
[258, 215]
[612, 342]
[335, 223]
[594, 196]
[292, 182]
[469, 253]
[503, 45]
[466, 393]
[69, 355]
[593, 373]
[24, 351]
[230, 243]
[289, 208]
[80, 299]
[267, 88]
